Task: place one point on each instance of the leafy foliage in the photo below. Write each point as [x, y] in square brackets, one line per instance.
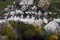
[26, 29]
[8, 31]
[54, 7]
[4, 4]
[53, 37]
[31, 30]
[36, 1]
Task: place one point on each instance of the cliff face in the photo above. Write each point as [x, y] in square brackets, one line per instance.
[44, 4]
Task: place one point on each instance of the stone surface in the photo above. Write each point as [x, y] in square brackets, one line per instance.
[44, 4]
[4, 38]
[26, 2]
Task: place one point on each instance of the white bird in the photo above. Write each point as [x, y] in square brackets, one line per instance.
[18, 11]
[21, 16]
[27, 16]
[12, 13]
[45, 20]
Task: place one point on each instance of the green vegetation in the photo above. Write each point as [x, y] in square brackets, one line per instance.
[27, 30]
[8, 31]
[14, 29]
[55, 6]
[30, 30]
[36, 1]
[4, 4]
